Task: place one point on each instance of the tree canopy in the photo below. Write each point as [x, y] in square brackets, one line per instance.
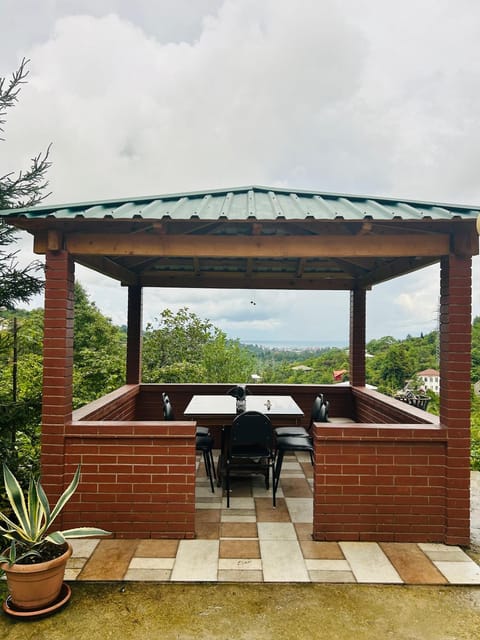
[18, 189]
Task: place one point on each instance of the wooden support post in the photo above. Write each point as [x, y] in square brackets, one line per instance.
[134, 335]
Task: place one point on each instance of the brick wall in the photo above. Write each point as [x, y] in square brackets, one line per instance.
[374, 407]
[57, 367]
[455, 367]
[138, 479]
[380, 483]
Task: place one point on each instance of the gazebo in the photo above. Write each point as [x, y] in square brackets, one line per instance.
[384, 470]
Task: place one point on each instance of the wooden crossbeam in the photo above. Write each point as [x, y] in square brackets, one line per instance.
[258, 246]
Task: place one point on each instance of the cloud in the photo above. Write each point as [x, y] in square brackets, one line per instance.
[145, 98]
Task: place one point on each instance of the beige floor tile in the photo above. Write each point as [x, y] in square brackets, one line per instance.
[197, 560]
[296, 487]
[239, 564]
[156, 548]
[71, 574]
[207, 515]
[327, 565]
[243, 548]
[460, 572]
[283, 561]
[240, 576]
[206, 492]
[76, 563]
[276, 531]
[266, 512]
[207, 505]
[152, 563]
[229, 518]
[304, 530]
[207, 530]
[331, 576]
[444, 553]
[369, 564]
[290, 465]
[243, 502]
[83, 547]
[412, 564]
[238, 530]
[321, 550]
[300, 509]
[109, 561]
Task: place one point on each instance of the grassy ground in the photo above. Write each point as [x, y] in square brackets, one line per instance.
[247, 612]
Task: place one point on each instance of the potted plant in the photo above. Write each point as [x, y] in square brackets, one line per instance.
[32, 556]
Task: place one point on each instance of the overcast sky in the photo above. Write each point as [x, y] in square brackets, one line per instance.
[369, 97]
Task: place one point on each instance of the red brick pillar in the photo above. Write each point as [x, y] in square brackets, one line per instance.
[455, 363]
[57, 368]
[358, 319]
[134, 336]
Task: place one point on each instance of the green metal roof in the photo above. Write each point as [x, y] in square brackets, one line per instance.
[253, 202]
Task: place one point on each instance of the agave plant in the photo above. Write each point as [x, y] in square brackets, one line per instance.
[34, 519]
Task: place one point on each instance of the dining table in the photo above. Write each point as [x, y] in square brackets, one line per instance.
[221, 410]
[218, 407]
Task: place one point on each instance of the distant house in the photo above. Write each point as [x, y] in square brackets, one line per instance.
[476, 388]
[430, 379]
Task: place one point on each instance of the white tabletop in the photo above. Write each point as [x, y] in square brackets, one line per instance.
[225, 405]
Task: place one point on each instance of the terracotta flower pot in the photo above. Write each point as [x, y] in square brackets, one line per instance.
[35, 586]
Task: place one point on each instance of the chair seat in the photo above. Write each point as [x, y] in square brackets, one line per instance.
[294, 443]
[280, 432]
[203, 442]
[203, 431]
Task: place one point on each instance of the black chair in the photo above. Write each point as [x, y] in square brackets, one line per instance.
[249, 449]
[287, 444]
[319, 413]
[200, 431]
[203, 441]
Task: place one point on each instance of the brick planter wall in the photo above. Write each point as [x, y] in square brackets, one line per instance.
[380, 483]
[138, 479]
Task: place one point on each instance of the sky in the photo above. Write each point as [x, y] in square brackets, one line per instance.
[366, 97]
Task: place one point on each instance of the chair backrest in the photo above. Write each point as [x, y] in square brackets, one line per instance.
[319, 410]
[316, 409]
[251, 429]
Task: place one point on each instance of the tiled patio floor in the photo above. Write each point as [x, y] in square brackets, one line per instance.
[252, 542]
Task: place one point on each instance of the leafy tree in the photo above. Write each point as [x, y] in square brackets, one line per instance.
[21, 393]
[99, 352]
[180, 347]
[21, 189]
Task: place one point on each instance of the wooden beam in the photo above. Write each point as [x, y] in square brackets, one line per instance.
[243, 281]
[393, 270]
[108, 268]
[259, 246]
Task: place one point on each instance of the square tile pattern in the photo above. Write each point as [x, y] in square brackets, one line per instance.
[253, 542]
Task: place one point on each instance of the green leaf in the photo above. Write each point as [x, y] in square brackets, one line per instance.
[34, 509]
[66, 495]
[56, 537]
[85, 532]
[16, 499]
